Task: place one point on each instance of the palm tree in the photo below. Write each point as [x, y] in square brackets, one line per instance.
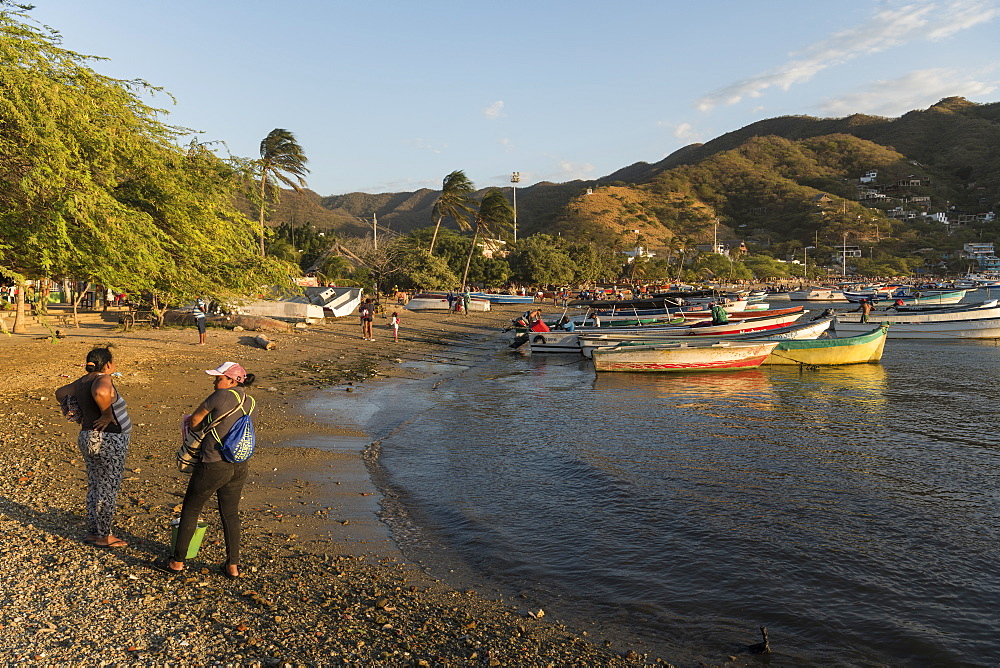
[683, 244]
[455, 202]
[281, 159]
[495, 215]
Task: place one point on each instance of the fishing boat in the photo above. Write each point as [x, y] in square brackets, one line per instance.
[684, 356]
[504, 298]
[863, 349]
[816, 295]
[588, 342]
[439, 301]
[570, 342]
[970, 321]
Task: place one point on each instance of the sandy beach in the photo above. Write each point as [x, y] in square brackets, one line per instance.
[323, 585]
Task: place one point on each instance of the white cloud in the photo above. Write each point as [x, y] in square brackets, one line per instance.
[888, 28]
[684, 131]
[506, 143]
[422, 145]
[918, 89]
[494, 111]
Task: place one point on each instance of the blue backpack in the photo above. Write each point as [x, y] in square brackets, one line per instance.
[238, 444]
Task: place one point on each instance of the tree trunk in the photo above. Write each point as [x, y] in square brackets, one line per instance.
[19, 324]
[468, 260]
[263, 207]
[437, 226]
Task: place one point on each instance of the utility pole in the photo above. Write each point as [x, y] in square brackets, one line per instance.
[515, 178]
[375, 230]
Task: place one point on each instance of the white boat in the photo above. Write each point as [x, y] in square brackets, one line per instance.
[336, 302]
[683, 356]
[439, 301]
[289, 311]
[817, 295]
[973, 321]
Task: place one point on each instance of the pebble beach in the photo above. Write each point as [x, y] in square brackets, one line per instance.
[323, 583]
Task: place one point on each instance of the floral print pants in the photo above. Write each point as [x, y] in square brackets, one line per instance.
[104, 454]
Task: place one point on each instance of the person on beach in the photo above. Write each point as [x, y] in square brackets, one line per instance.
[105, 430]
[365, 311]
[395, 326]
[199, 319]
[213, 474]
[451, 300]
[466, 300]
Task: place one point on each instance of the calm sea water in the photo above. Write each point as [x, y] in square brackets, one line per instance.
[853, 511]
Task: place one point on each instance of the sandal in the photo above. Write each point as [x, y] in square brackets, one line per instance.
[163, 565]
[224, 569]
[112, 544]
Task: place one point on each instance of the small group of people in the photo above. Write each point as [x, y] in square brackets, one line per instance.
[366, 310]
[105, 434]
[459, 302]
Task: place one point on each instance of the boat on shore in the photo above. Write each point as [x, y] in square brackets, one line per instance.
[862, 349]
[494, 298]
[684, 356]
[423, 301]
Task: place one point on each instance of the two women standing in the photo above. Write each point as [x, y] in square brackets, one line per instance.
[105, 430]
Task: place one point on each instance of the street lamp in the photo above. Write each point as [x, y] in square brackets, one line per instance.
[515, 178]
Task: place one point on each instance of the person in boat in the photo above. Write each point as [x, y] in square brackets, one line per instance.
[719, 315]
[539, 325]
[865, 308]
[566, 324]
[899, 302]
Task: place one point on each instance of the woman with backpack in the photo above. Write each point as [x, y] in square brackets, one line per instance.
[215, 474]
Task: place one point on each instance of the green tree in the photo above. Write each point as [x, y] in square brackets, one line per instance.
[542, 260]
[281, 160]
[494, 216]
[455, 202]
[93, 185]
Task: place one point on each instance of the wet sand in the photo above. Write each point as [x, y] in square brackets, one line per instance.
[324, 584]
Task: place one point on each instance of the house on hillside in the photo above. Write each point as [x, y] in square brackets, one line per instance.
[822, 198]
[869, 176]
[639, 252]
[983, 253]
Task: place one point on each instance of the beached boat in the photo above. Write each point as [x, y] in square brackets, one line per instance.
[684, 356]
[336, 302]
[504, 298]
[423, 301]
[862, 349]
[816, 295]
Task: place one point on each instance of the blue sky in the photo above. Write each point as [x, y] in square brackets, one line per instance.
[389, 96]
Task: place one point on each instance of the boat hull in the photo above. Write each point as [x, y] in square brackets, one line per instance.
[864, 349]
[683, 357]
[984, 328]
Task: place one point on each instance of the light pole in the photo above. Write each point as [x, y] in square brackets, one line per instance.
[844, 270]
[515, 178]
[805, 262]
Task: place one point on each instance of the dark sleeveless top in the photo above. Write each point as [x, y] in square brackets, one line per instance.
[91, 412]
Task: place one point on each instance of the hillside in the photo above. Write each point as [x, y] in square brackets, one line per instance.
[759, 182]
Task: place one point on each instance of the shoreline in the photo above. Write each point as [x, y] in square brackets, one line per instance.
[325, 584]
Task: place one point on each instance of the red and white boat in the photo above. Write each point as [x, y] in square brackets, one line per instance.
[684, 356]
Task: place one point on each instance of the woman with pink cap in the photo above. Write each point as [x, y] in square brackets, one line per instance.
[213, 474]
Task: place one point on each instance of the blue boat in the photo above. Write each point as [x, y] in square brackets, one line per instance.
[504, 299]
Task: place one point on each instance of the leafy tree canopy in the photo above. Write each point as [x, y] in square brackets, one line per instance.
[92, 184]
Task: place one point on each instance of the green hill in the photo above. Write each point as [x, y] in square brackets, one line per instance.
[760, 184]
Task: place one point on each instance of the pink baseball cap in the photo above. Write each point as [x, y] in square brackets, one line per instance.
[230, 370]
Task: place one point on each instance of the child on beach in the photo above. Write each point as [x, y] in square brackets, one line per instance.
[395, 326]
